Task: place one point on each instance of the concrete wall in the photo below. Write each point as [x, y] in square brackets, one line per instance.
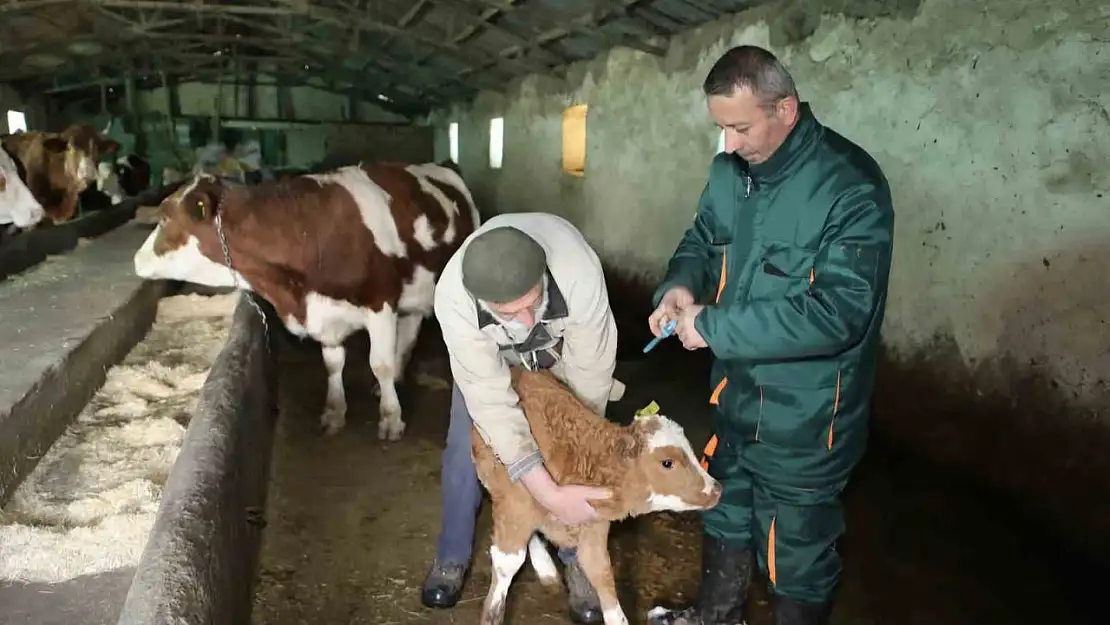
[990, 120]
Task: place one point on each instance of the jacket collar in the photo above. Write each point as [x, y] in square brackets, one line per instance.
[787, 157]
[556, 306]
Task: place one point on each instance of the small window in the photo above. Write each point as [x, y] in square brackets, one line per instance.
[574, 140]
[17, 122]
[453, 138]
[721, 142]
[496, 141]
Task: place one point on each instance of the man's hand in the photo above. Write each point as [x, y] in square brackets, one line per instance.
[570, 504]
[674, 301]
[685, 330]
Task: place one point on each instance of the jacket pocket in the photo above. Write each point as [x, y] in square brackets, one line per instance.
[800, 402]
[782, 269]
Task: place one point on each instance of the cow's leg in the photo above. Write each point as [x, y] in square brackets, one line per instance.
[382, 327]
[507, 554]
[335, 406]
[593, 554]
[408, 329]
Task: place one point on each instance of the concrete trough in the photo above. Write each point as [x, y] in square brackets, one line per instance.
[200, 560]
[27, 249]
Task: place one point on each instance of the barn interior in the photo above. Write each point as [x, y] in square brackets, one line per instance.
[984, 496]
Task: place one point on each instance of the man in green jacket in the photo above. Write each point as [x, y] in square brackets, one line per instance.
[783, 275]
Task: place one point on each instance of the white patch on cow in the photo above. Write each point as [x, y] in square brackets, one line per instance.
[541, 561]
[505, 567]
[335, 405]
[614, 616]
[185, 263]
[449, 177]
[616, 392]
[418, 295]
[107, 182]
[422, 232]
[671, 434]
[373, 205]
[17, 204]
[330, 321]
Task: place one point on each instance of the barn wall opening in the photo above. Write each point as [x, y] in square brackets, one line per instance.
[17, 122]
[453, 139]
[496, 141]
[574, 140]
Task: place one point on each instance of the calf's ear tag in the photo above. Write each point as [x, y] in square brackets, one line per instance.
[648, 410]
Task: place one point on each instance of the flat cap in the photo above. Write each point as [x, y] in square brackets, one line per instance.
[502, 264]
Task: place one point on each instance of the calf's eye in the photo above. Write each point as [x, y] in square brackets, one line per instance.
[668, 463]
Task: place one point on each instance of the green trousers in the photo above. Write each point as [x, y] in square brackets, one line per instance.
[793, 526]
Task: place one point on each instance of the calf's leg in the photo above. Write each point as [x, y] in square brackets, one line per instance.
[382, 326]
[335, 406]
[511, 532]
[593, 553]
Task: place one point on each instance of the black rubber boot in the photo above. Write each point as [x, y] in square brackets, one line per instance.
[726, 574]
[443, 585]
[585, 607]
[792, 612]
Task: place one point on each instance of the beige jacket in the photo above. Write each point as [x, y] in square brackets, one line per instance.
[576, 337]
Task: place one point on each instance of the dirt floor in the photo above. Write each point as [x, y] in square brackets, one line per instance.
[352, 522]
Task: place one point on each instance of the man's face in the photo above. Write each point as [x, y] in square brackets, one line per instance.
[753, 130]
[523, 311]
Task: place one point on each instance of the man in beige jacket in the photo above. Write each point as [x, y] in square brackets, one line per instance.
[525, 289]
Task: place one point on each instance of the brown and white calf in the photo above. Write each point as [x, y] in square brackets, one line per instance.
[359, 247]
[648, 466]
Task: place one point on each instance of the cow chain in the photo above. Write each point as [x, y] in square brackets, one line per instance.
[234, 278]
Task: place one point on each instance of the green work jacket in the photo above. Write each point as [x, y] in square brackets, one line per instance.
[792, 257]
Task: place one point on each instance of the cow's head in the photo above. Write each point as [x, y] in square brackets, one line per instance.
[185, 245]
[17, 204]
[85, 147]
[665, 464]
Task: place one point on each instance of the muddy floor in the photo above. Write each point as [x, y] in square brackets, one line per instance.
[352, 522]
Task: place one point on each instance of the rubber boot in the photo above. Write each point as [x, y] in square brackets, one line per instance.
[443, 586]
[726, 574]
[585, 607]
[793, 612]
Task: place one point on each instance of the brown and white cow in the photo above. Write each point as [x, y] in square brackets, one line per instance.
[357, 247]
[18, 205]
[57, 167]
[648, 466]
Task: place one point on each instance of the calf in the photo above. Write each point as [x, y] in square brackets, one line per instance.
[357, 247]
[647, 466]
[18, 205]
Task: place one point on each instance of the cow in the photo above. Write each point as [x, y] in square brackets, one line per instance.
[647, 466]
[57, 167]
[133, 173]
[358, 247]
[18, 206]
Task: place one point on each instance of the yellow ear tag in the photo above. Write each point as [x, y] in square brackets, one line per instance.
[650, 409]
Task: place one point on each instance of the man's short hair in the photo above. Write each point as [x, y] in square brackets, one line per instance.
[502, 264]
[750, 67]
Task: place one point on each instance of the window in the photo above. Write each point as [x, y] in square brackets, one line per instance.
[721, 142]
[496, 141]
[574, 140]
[17, 122]
[453, 138]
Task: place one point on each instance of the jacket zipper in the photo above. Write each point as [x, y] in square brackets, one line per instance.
[759, 422]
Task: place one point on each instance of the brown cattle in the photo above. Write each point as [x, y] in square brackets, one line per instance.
[58, 166]
[647, 466]
[357, 247]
